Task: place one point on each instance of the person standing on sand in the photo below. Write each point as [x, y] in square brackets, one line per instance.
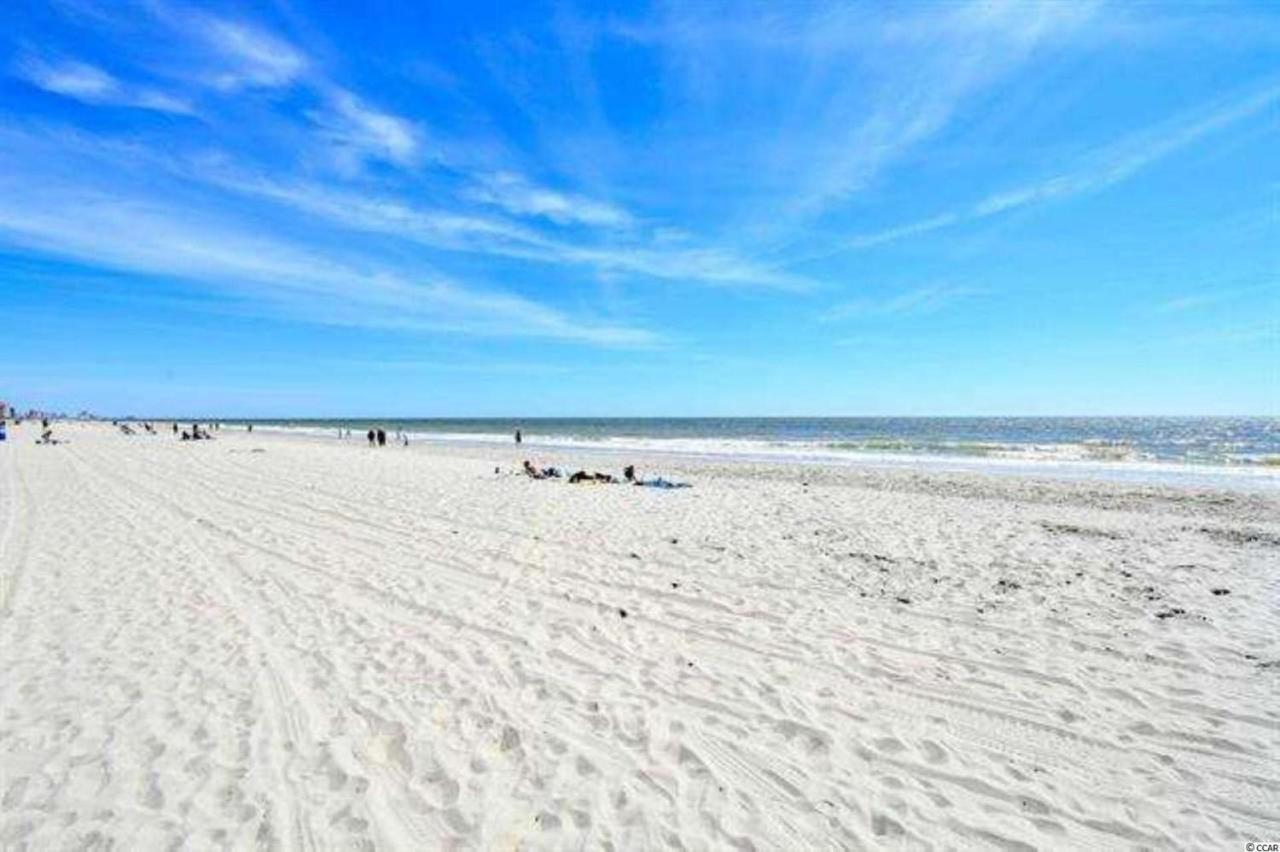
[518, 436]
[382, 438]
[372, 437]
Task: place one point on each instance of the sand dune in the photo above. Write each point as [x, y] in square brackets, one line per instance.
[273, 642]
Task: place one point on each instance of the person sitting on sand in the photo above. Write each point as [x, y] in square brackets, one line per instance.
[543, 473]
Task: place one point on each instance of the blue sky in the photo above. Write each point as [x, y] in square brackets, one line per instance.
[280, 209]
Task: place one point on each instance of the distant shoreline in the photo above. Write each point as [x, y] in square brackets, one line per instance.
[1064, 462]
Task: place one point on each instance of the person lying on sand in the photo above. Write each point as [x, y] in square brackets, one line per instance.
[583, 476]
[629, 473]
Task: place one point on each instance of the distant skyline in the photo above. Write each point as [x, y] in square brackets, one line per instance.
[581, 209]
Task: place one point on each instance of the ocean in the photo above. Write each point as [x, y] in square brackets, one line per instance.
[1192, 444]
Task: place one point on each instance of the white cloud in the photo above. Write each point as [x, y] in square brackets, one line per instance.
[928, 299]
[461, 231]
[1122, 160]
[1265, 331]
[516, 195]
[358, 133]
[92, 85]
[250, 58]
[927, 68]
[108, 228]
[1098, 171]
[376, 214]
[677, 258]
[1216, 296]
[852, 89]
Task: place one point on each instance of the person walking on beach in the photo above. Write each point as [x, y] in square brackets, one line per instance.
[372, 436]
[382, 438]
[518, 436]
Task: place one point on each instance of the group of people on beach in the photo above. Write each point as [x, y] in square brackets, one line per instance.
[126, 429]
[196, 433]
[46, 430]
[378, 437]
[582, 476]
[594, 477]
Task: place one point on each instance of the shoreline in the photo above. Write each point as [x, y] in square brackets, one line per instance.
[1250, 478]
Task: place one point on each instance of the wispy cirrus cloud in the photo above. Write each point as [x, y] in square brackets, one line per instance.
[1096, 172]
[1264, 331]
[288, 280]
[927, 299]
[247, 57]
[1126, 158]
[350, 133]
[518, 196]
[1216, 296]
[243, 56]
[925, 69]
[811, 141]
[359, 133]
[55, 206]
[92, 85]
[461, 230]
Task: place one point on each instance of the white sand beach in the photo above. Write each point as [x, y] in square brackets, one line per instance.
[270, 641]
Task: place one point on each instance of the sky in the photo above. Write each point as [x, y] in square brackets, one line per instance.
[280, 209]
